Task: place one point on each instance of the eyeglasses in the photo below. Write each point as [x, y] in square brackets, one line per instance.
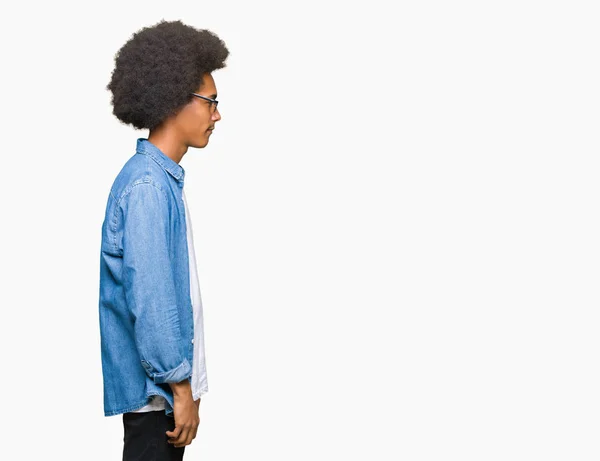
[213, 102]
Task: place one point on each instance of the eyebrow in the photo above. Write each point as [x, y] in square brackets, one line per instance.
[214, 96]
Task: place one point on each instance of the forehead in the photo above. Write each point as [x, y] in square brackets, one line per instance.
[208, 87]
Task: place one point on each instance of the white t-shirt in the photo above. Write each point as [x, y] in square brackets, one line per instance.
[199, 380]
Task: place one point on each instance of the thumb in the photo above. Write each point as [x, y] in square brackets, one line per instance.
[175, 432]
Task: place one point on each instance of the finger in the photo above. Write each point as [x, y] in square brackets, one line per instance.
[195, 429]
[194, 433]
[190, 437]
[181, 440]
[174, 433]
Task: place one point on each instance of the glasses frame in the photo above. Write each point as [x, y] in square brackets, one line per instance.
[211, 100]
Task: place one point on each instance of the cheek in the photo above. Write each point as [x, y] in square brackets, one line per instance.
[203, 121]
[196, 123]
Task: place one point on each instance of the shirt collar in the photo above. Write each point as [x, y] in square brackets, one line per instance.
[168, 164]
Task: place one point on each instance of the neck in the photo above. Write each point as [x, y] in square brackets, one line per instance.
[167, 141]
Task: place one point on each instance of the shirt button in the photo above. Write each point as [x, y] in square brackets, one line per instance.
[192, 341]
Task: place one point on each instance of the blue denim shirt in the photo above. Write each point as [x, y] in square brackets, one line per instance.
[145, 308]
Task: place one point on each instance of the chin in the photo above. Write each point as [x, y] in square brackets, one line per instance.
[200, 143]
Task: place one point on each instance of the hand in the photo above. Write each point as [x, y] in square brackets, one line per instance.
[187, 420]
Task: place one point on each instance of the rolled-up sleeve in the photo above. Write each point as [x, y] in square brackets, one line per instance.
[149, 284]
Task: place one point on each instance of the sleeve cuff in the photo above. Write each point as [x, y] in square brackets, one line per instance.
[175, 375]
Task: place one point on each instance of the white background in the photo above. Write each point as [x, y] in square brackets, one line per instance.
[396, 224]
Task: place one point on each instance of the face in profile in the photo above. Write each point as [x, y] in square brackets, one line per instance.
[198, 118]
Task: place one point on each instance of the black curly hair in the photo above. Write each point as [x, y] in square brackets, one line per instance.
[158, 67]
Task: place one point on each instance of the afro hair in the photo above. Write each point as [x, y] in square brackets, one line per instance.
[158, 68]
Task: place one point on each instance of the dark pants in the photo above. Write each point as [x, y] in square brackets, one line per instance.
[144, 437]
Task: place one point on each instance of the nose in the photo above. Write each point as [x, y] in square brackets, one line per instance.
[216, 116]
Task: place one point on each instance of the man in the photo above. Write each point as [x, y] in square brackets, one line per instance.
[150, 311]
